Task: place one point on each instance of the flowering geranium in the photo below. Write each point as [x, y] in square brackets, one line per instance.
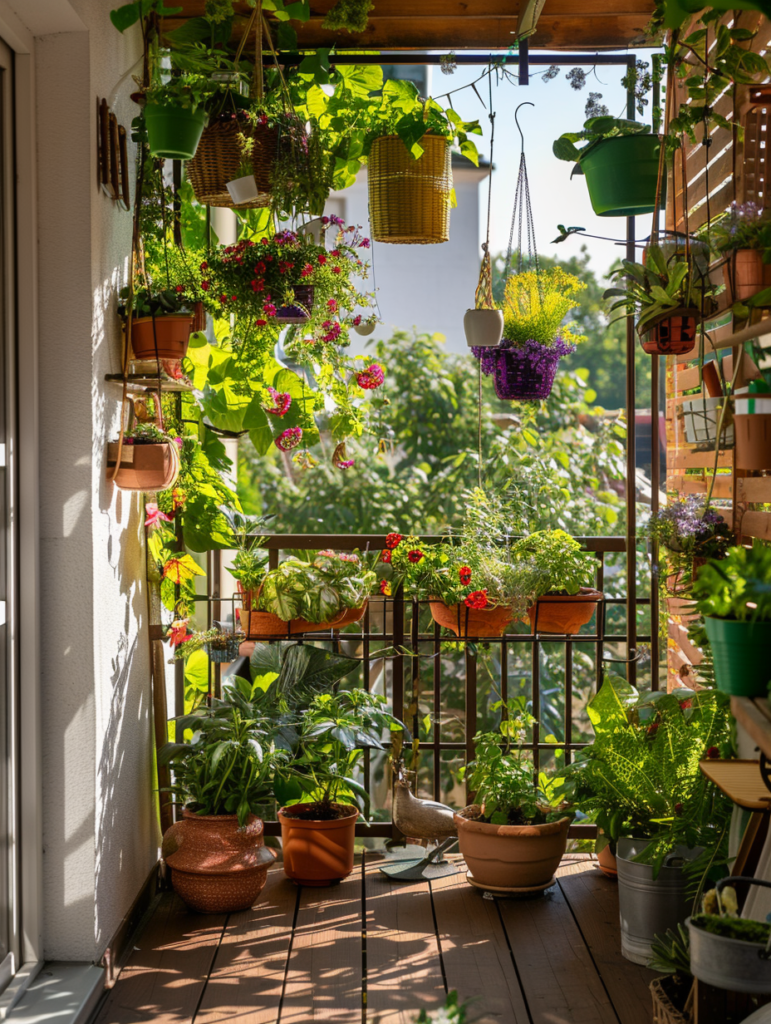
[415, 556]
[393, 540]
[464, 574]
[386, 555]
[477, 600]
[371, 378]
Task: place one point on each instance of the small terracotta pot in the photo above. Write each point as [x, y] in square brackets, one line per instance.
[464, 621]
[317, 852]
[512, 856]
[172, 334]
[265, 624]
[556, 614]
[672, 334]
[606, 861]
[753, 441]
[743, 274]
[144, 467]
[217, 867]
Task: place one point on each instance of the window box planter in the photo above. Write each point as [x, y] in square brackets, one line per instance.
[465, 621]
[218, 159]
[161, 337]
[258, 625]
[144, 467]
[740, 652]
[672, 334]
[621, 175]
[409, 200]
[317, 852]
[174, 132]
[483, 327]
[217, 867]
[511, 858]
[565, 614]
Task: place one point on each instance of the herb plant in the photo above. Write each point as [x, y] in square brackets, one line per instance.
[565, 567]
[744, 226]
[146, 433]
[738, 587]
[147, 302]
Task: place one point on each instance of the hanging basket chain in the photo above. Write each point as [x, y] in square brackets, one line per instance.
[522, 218]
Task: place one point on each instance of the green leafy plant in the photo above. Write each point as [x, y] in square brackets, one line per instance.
[743, 226]
[501, 775]
[218, 639]
[738, 586]
[733, 927]
[189, 91]
[565, 567]
[317, 590]
[227, 766]
[671, 952]
[146, 433]
[594, 131]
[351, 15]
[535, 305]
[148, 302]
[453, 1012]
[641, 774]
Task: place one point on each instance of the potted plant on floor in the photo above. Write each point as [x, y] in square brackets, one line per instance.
[743, 234]
[162, 321]
[317, 785]
[620, 161]
[640, 779]
[511, 839]
[729, 951]
[223, 776]
[733, 596]
[148, 459]
[535, 335]
[669, 295]
[566, 599]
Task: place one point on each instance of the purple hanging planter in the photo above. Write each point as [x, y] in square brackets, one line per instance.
[523, 374]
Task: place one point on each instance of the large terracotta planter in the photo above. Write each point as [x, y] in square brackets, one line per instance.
[265, 624]
[317, 852]
[144, 467]
[743, 274]
[514, 858]
[217, 867]
[167, 340]
[464, 621]
[565, 615]
[673, 333]
[753, 441]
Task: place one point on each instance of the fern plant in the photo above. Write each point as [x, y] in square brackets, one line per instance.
[738, 587]
[640, 777]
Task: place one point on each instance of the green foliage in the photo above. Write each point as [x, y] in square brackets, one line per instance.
[742, 227]
[658, 286]
[565, 567]
[453, 1012]
[641, 774]
[146, 433]
[733, 927]
[351, 15]
[316, 590]
[738, 586]
[167, 302]
[535, 306]
[671, 952]
[594, 131]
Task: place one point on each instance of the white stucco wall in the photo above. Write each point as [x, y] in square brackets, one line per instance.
[100, 835]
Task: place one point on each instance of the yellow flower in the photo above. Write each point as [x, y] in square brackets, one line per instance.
[535, 306]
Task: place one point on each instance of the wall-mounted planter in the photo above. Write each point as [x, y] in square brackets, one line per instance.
[144, 467]
[740, 651]
[672, 334]
[621, 175]
[465, 621]
[260, 625]
[700, 419]
[217, 867]
[556, 613]
[174, 132]
[511, 858]
[409, 200]
[483, 327]
[317, 852]
[224, 651]
[161, 337]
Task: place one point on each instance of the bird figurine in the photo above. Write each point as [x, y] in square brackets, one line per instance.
[426, 820]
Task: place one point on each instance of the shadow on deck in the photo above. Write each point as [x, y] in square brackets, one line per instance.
[372, 951]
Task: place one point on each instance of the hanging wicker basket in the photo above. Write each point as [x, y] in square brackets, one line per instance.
[409, 200]
[218, 160]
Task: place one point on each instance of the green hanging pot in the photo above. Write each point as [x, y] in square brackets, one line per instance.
[174, 132]
[740, 651]
[621, 175]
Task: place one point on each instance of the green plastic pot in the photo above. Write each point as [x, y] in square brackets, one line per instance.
[174, 132]
[621, 175]
[741, 656]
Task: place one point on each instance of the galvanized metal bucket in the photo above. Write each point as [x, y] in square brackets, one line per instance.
[648, 906]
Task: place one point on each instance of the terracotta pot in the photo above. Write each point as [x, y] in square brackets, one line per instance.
[512, 856]
[465, 621]
[172, 335]
[672, 334]
[265, 624]
[566, 615]
[144, 467]
[217, 867]
[317, 852]
[753, 441]
[607, 862]
[743, 274]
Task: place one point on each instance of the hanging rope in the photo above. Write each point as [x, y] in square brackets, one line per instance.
[484, 293]
[522, 216]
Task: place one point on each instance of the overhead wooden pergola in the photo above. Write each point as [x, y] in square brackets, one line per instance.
[486, 25]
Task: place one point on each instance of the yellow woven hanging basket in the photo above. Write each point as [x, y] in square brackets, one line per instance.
[218, 159]
[409, 200]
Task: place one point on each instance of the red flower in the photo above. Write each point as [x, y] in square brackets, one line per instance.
[234, 297]
[415, 556]
[289, 439]
[260, 323]
[356, 321]
[336, 270]
[260, 268]
[464, 574]
[205, 285]
[177, 632]
[371, 378]
[678, 808]
[269, 309]
[154, 515]
[179, 288]
[385, 588]
[204, 265]
[332, 304]
[335, 252]
[306, 270]
[713, 753]
[652, 729]
[322, 258]
[477, 600]
[223, 298]
[386, 556]
[393, 540]
[686, 704]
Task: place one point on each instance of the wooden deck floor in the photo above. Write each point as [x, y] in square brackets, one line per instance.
[371, 951]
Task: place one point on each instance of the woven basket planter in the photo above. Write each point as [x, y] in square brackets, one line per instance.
[218, 160]
[522, 374]
[409, 200]
[664, 1010]
[671, 334]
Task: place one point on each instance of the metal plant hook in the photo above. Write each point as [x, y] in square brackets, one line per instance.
[524, 103]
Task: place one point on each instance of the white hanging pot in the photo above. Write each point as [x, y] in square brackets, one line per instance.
[483, 327]
[364, 329]
[243, 190]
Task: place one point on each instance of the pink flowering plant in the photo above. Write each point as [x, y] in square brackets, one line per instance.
[318, 589]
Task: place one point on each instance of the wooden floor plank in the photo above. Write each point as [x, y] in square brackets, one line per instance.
[324, 975]
[404, 968]
[476, 958]
[166, 973]
[593, 898]
[559, 979]
[247, 978]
